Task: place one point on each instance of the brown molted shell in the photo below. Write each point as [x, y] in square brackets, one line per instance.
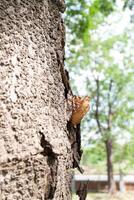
[80, 108]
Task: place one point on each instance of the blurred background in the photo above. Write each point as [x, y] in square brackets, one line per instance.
[100, 60]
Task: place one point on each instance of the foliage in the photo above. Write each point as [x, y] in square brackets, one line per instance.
[129, 3]
[124, 159]
[108, 57]
[94, 155]
[84, 15]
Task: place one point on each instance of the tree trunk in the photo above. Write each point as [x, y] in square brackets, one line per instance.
[35, 152]
[122, 187]
[111, 182]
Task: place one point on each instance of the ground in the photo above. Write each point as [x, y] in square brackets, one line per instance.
[104, 196]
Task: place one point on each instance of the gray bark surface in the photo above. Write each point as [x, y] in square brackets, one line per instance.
[35, 152]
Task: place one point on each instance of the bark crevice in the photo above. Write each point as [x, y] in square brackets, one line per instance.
[48, 149]
[75, 141]
[52, 162]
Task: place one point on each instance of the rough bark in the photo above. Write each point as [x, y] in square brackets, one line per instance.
[35, 152]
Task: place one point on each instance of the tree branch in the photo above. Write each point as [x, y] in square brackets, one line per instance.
[109, 118]
[97, 106]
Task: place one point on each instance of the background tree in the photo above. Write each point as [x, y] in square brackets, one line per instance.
[106, 78]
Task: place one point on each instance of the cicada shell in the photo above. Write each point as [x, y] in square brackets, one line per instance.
[80, 108]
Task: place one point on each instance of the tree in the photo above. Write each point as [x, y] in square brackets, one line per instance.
[86, 16]
[107, 81]
[35, 154]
